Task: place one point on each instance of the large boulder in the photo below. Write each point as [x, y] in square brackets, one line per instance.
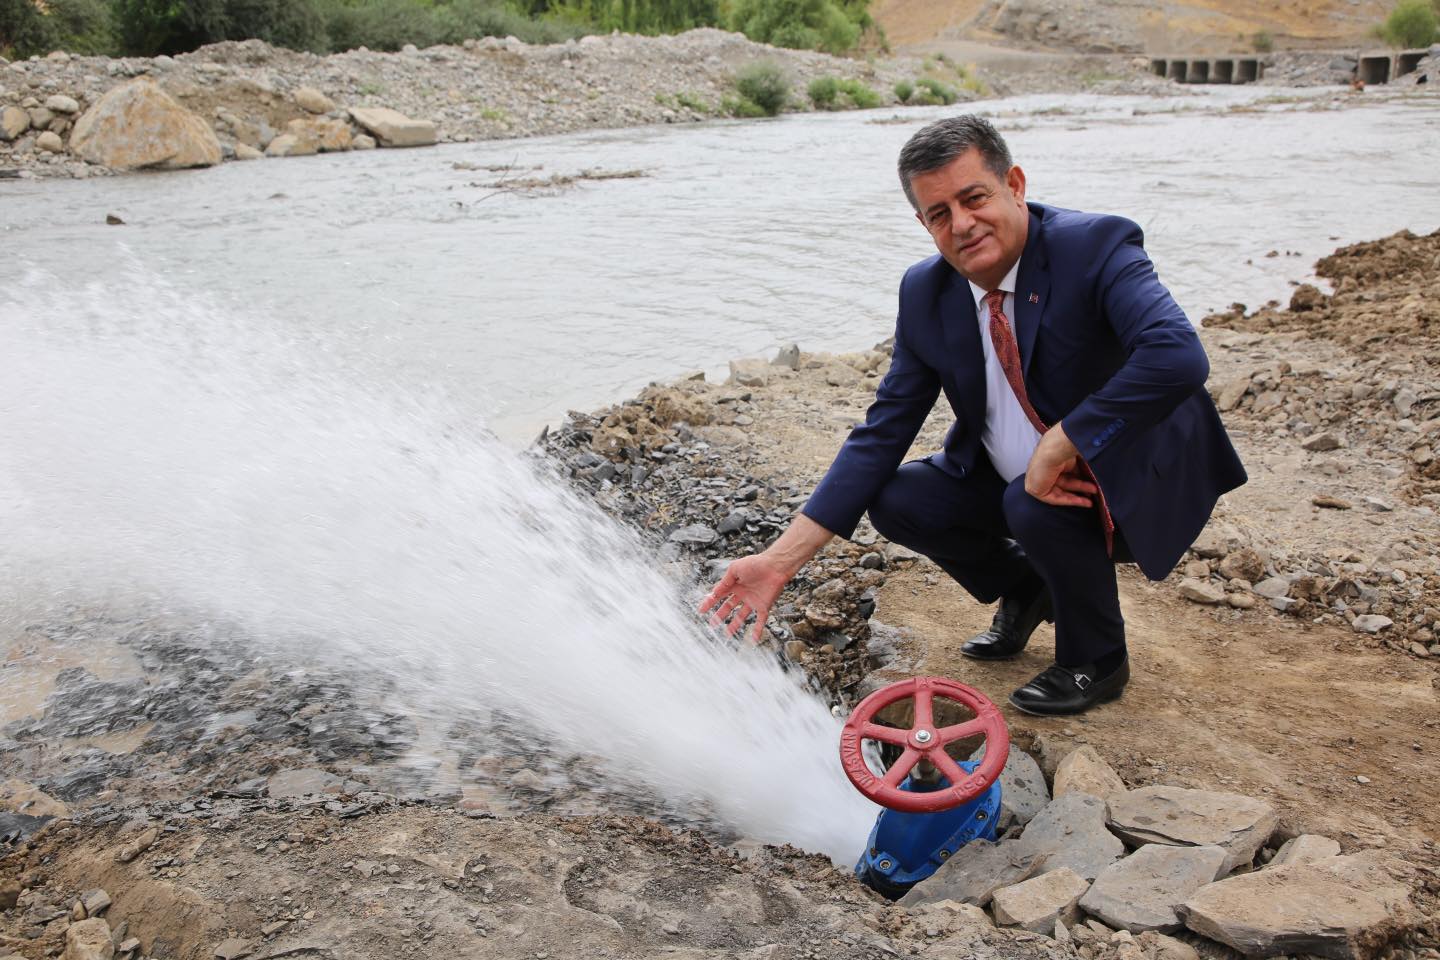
[88, 940]
[1343, 907]
[1181, 817]
[394, 129]
[138, 125]
[1037, 903]
[13, 122]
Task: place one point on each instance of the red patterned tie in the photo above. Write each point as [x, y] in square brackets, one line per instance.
[1007, 351]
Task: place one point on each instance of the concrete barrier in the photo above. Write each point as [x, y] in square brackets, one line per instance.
[1374, 68]
[1208, 69]
[1406, 62]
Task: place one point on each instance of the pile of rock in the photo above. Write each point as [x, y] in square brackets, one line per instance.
[1304, 68]
[1112, 873]
[643, 462]
[251, 95]
[1366, 419]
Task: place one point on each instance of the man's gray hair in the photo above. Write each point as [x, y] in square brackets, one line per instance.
[938, 143]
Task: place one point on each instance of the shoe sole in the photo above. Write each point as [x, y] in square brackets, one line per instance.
[985, 659]
[1065, 713]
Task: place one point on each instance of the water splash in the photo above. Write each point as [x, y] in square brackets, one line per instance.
[159, 449]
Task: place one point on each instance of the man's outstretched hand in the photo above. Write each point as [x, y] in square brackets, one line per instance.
[750, 586]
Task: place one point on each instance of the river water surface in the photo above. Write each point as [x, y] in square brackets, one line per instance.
[738, 238]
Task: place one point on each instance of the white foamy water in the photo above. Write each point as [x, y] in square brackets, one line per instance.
[161, 449]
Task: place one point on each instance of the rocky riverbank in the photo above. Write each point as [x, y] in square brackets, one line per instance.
[249, 94]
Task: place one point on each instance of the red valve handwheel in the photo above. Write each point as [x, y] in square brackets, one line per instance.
[924, 742]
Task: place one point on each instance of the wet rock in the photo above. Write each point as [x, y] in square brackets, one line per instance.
[1037, 904]
[394, 129]
[1306, 848]
[1177, 816]
[694, 535]
[1371, 623]
[88, 940]
[1343, 907]
[1084, 771]
[137, 125]
[313, 101]
[1202, 591]
[303, 782]
[1143, 891]
[26, 798]
[233, 949]
[1023, 792]
[1070, 832]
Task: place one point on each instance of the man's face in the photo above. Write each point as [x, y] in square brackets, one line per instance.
[977, 220]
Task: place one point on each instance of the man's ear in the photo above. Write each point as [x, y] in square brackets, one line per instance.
[1015, 180]
[921, 220]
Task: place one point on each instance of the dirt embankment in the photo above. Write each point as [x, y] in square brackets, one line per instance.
[1198, 26]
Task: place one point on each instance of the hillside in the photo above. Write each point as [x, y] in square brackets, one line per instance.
[1075, 26]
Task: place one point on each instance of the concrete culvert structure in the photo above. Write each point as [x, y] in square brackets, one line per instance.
[1247, 71]
[1375, 69]
[1199, 71]
[1407, 61]
[1178, 71]
[1157, 67]
[1222, 71]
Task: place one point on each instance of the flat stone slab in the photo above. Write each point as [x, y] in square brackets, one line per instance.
[1194, 818]
[1144, 891]
[1306, 848]
[1023, 792]
[1084, 771]
[974, 873]
[1342, 907]
[1037, 903]
[1070, 832]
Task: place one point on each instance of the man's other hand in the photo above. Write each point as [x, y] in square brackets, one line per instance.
[750, 586]
[1053, 475]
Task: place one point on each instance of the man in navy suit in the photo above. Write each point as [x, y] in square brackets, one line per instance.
[1083, 433]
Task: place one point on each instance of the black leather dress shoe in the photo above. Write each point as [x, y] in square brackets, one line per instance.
[1014, 621]
[1061, 690]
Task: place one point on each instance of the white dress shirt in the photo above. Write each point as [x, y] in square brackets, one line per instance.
[1008, 436]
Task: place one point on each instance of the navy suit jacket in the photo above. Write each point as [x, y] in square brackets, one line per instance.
[1104, 348]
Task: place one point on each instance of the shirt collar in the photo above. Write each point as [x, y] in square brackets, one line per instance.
[1008, 285]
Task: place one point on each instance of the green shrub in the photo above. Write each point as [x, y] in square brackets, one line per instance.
[903, 90]
[1411, 23]
[859, 94]
[151, 27]
[741, 107]
[933, 92]
[1262, 42]
[24, 30]
[691, 102]
[823, 92]
[828, 25]
[764, 85]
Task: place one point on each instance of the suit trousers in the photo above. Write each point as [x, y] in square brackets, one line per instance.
[994, 539]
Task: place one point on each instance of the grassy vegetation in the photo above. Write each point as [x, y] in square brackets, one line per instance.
[1412, 23]
[763, 90]
[824, 91]
[151, 27]
[1261, 41]
[904, 90]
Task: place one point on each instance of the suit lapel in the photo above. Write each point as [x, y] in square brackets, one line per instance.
[1032, 293]
[962, 340]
